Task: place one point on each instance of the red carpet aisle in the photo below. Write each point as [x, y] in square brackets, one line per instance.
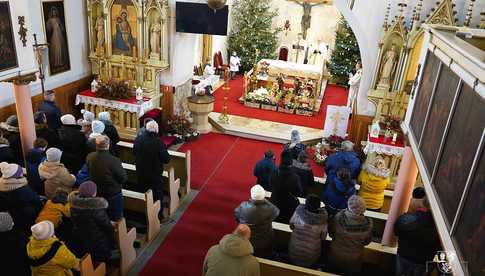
[228, 178]
[334, 95]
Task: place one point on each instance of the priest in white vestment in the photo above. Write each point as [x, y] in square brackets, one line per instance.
[234, 63]
[318, 54]
[354, 84]
[298, 50]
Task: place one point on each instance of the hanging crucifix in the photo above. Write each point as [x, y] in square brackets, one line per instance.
[306, 19]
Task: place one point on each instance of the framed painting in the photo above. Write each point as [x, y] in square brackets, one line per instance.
[56, 36]
[7, 41]
[124, 32]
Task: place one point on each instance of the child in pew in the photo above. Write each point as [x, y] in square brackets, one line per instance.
[12, 252]
[309, 225]
[57, 211]
[92, 231]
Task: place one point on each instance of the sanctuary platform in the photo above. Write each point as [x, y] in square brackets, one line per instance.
[263, 130]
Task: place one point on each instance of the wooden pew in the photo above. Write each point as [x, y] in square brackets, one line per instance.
[87, 269]
[179, 161]
[143, 203]
[125, 241]
[270, 268]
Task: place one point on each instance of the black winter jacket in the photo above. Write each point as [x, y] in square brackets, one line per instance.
[73, 144]
[286, 189]
[151, 154]
[107, 172]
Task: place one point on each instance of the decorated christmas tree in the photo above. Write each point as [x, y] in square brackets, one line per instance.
[345, 54]
[252, 29]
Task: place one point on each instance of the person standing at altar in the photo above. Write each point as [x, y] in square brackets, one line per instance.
[234, 63]
[354, 84]
[51, 110]
[318, 53]
[298, 49]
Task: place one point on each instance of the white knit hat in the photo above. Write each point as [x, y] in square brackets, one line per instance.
[6, 222]
[152, 126]
[258, 192]
[104, 116]
[97, 126]
[68, 119]
[9, 170]
[87, 115]
[53, 155]
[43, 230]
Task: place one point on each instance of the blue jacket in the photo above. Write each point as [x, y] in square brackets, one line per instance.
[34, 157]
[52, 113]
[82, 175]
[263, 171]
[337, 193]
[341, 159]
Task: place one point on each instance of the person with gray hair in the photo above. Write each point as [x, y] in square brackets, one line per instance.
[51, 110]
[295, 146]
[110, 131]
[345, 158]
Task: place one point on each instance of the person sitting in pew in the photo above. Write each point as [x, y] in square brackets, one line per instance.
[286, 188]
[92, 229]
[309, 225]
[232, 256]
[55, 174]
[259, 214]
[338, 191]
[350, 231]
[373, 180]
[12, 252]
[303, 169]
[47, 255]
[264, 169]
[418, 240]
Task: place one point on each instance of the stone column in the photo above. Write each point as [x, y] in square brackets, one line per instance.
[402, 194]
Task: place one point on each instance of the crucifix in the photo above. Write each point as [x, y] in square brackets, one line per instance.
[299, 46]
[336, 118]
[306, 19]
[38, 47]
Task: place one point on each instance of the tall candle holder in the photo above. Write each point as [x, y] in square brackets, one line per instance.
[223, 118]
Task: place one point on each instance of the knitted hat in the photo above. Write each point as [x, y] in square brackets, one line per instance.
[43, 230]
[356, 205]
[68, 119]
[295, 136]
[102, 142]
[10, 170]
[104, 116]
[152, 126]
[87, 115]
[286, 159]
[6, 222]
[258, 192]
[53, 155]
[88, 189]
[97, 126]
[419, 193]
[312, 203]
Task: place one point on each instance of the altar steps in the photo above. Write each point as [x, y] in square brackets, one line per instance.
[263, 130]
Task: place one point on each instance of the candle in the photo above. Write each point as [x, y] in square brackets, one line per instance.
[394, 137]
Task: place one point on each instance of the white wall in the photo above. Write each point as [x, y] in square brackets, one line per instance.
[76, 21]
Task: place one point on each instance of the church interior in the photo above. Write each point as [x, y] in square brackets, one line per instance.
[242, 137]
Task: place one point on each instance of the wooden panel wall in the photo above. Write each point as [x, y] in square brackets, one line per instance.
[166, 102]
[359, 129]
[65, 98]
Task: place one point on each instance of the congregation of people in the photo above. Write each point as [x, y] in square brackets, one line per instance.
[337, 211]
[64, 198]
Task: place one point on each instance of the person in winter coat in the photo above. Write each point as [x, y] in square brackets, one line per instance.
[338, 191]
[97, 129]
[417, 200]
[344, 158]
[92, 231]
[10, 130]
[108, 174]
[418, 240]
[47, 255]
[150, 157]
[304, 171]
[373, 181]
[295, 146]
[34, 158]
[82, 175]
[309, 225]
[258, 214]
[55, 174]
[264, 169]
[17, 197]
[86, 122]
[57, 211]
[110, 131]
[6, 153]
[51, 110]
[73, 143]
[350, 231]
[286, 188]
[12, 252]
[42, 130]
[232, 256]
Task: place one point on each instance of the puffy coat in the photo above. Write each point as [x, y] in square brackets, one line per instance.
[231, 257]
[305, 173]
[263, 171]
[52, 113]
[150, 156]
[56, 176]
[20, 201]
[34, 158]
[60, 265]
[350, 234]
[107, 172]
[73, 144]
[341, 159]
[286, 189]
[337, 193]
[13, 253]
[309, 230]
[259, 216]
[372, 186]
[92, 230]
[54, 212]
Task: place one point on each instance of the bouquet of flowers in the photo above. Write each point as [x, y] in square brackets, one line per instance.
[333, 142]
[320, 154]
[392, 122]
[113, 90]
[180, 127]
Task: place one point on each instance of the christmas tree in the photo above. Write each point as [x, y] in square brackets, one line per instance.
[252, 29]
[345, 54]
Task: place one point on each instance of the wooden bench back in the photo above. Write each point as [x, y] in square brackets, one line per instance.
[87, 269]
[125, 241]
[270, 268]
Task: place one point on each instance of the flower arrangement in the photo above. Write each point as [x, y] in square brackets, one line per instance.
[334, 142]
[180, 127]
[113, 90]
[392, 122]
[320, 154]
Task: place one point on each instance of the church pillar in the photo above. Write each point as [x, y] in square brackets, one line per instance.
[402, 195]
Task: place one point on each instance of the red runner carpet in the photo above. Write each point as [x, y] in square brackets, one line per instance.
[223, 168]
[334, 95]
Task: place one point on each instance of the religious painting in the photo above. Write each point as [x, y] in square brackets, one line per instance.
[56, 36]
[470, 230]
[438, 116]
[124, 30]
[461, 144]
[7, 42]
[423, 96]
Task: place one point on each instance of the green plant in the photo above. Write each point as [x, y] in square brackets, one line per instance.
[113, 90]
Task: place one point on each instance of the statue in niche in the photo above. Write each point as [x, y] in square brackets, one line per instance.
[100, 34]
[388, 67]
[148, 75]
[155, 34]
